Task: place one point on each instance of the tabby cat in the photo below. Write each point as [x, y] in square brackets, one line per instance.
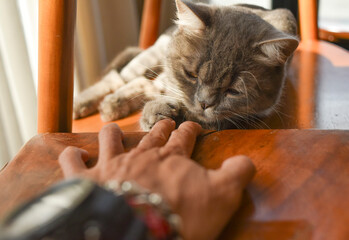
[220, 66]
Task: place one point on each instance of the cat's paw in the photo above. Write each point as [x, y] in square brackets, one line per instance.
[84, 107]
[113, 107]
[86, 103]
[117, 105]
[155, 111]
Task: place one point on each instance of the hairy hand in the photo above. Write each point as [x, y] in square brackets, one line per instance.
[205, 199]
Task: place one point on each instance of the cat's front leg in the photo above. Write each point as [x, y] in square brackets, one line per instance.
[86, 103]
[128, 99]
[157, 110]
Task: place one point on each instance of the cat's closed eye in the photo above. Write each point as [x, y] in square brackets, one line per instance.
[191, 75]
[230, 92]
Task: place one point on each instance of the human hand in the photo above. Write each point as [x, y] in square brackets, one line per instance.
[205, 199]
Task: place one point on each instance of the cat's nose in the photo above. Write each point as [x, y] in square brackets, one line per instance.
[204, 105]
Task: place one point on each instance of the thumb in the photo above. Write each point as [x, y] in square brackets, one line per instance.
[235, 173]
[72, 161]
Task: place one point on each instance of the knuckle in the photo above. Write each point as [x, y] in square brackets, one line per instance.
[134, 152]
[172, 160]
[172, 152]
[158, 137]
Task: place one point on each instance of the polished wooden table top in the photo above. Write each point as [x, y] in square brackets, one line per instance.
[300, 190]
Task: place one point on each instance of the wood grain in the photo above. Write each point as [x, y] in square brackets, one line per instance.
[301, 177]
[300, 190]
[55, 90]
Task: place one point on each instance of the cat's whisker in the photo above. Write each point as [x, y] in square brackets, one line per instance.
[246, 93]
[252, 123]
[255, 119]
[168, 97]
[227, 116]
[274, 109]
[178, 99]
[249, 119]
[149, 69]
[174, 91]
[235, 114]
[171, 89]
[233, 122]
[218, 123]
[179, 95]
[153, 95]
[277, 113]
[250, 116]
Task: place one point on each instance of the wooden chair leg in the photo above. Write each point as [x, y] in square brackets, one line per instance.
[150, 23]
[308, 19]
[56, 65]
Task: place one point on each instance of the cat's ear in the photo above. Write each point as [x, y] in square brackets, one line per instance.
[278, 48]
[192, 17]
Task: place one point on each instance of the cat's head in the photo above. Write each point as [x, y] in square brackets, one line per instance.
[227, 61]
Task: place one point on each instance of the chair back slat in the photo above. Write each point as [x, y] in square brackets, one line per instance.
[56, 65]
[150, 23]
[308, 19]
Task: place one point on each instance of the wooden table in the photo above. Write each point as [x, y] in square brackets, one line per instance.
[301, 189]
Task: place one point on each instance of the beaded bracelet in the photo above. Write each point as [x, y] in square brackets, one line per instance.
[150, 208]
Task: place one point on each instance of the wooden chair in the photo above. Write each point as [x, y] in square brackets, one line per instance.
[301, 188]
[55, 93]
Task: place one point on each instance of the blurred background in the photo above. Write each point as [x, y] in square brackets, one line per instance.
[104, 28]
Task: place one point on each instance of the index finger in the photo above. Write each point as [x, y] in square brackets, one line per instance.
[182, 140]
